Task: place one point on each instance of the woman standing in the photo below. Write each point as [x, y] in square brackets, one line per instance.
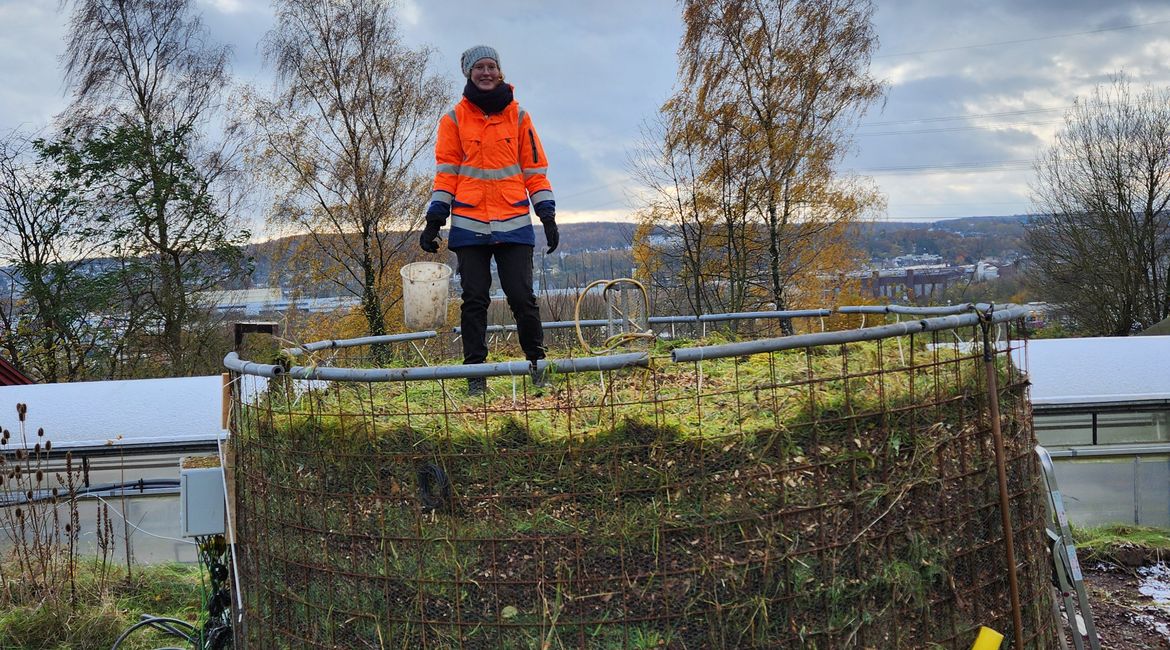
[490, 167]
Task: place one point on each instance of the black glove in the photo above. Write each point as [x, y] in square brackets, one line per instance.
[429, 240]
[437, 213]
[550, 233]
[547, 214]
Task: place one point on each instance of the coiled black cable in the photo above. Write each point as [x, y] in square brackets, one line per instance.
[434, 488]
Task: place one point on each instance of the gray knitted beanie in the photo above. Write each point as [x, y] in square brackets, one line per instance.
[475, 53]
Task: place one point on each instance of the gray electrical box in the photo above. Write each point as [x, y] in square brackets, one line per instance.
[201, 496]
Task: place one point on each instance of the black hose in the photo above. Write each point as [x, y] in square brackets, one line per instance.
[159, 623]
[434, 488]
[141, 485]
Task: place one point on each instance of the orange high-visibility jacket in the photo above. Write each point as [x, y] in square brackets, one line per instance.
[489, 169]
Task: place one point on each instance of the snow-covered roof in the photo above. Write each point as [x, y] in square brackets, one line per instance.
[1099, 370]
[96, 413]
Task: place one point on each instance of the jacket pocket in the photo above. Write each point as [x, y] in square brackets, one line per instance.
[513, 192]
[468, 194]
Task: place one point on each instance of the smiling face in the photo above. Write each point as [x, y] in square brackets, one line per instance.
[485, 74]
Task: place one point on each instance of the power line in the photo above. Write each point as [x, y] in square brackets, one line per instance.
[944, 168]
[936, 204]
[953, 129]
[969, 116]
[1024, 40]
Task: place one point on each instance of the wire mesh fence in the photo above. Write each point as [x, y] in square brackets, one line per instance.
[835, 495]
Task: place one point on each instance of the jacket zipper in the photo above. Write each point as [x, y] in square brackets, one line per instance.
[532, 140]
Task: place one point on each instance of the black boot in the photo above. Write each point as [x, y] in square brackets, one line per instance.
[536, 374]
[476, 386]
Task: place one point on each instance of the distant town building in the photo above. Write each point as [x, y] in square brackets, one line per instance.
[918, 260]
[916, 283]
[252, 302]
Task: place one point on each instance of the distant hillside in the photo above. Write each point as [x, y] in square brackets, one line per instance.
[277, 257]
[959, 241]
[583, 247]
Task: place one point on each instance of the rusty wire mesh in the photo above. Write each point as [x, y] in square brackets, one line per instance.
[831, 497]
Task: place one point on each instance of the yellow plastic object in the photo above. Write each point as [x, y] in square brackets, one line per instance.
[988, 639]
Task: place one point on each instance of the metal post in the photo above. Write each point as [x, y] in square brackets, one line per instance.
[1137, 493]
[610, 329]
[985, 324]
[625, 298]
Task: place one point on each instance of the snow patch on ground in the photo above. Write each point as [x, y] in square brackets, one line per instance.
[1154, 582]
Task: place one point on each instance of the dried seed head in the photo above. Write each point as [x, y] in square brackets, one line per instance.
[69, 528]
[37, 449]
[19, 514]
[48, 445]
[40, 476]
[19, 454]
[41, 432]
[21, 410]
[55, 492]
[17, 472]
[28, 495]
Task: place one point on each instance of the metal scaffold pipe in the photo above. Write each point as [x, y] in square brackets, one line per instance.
[504, 369]
[681, 355]
[908, 310]
[365, 340]
[667, 320]
[748, 315]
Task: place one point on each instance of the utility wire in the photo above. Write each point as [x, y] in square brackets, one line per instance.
[955, 129]
[969, 116]
[132, 525]
[959, 167]
[1024, 40]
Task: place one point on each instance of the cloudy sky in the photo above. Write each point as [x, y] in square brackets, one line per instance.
[975, 89]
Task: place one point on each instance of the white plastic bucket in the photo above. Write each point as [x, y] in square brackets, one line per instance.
[425, 294]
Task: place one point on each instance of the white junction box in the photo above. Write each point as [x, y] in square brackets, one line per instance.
[201, 496]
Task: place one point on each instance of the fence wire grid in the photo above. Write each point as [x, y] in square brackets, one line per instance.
[835, 496]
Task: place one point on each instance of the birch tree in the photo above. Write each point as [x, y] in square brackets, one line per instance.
[352, 114]
[53, 288]
[145, 85]
[1101, 244]
[790, 78]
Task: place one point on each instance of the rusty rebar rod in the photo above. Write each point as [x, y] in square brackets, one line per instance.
[985, 323]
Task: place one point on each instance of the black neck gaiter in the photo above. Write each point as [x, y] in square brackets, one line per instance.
[491, 101]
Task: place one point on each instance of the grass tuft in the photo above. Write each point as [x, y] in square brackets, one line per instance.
[101, 614]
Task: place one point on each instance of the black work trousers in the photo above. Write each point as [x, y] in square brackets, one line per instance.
[514, 265]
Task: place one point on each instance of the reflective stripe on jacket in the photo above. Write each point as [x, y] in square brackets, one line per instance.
[489, 169]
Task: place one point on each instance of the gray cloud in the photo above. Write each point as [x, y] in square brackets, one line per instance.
[590, 73]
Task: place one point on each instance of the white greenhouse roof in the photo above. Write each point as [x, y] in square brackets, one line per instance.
[96, 413]
[1099, 370]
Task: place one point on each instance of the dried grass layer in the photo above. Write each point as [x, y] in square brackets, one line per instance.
[833, 498]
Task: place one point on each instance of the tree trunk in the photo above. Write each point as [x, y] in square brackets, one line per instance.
[774, 254]
[371, 304]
